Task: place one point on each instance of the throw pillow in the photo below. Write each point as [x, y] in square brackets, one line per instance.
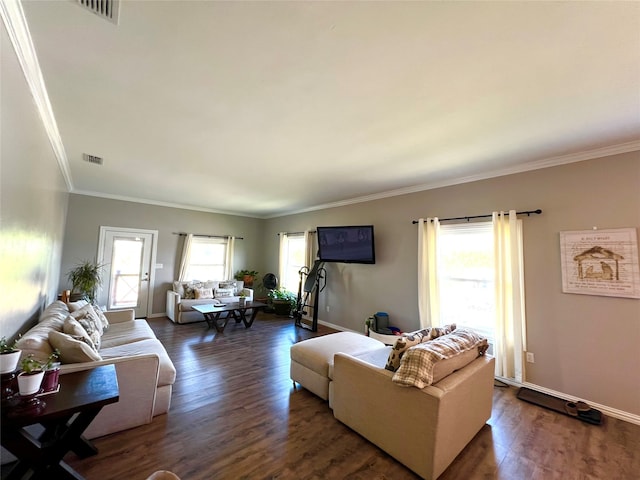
[91, 322]
[409, 340]
[228, 284]
[72, 327]
[401, 345]
[74, 306]
[102, 317]
[204, 293]
[224, 292]
[178, 287]
[72, 349]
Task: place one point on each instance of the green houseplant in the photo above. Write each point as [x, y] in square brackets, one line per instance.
[85, 278]
[30, 378]
[9, 355]
[247, 276]
[283, 301]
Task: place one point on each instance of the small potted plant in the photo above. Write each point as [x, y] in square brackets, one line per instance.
[9, 356]
[283, 301]
[51, 372]
[242, 299]
[85, 279]
[30, 378]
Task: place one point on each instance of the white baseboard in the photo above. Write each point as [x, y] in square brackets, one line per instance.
[156, 315]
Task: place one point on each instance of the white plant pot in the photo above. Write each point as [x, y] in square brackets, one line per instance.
[9, 361]
[29, 383]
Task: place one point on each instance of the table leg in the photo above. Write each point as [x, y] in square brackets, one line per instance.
[213, 319]
[254, 313]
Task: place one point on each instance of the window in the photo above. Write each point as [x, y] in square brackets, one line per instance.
[466, 276]
[206, 259]
[294, 260]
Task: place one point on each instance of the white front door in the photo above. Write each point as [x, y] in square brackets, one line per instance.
[128, 256]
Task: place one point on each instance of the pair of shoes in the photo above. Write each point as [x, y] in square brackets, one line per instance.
[571, 408]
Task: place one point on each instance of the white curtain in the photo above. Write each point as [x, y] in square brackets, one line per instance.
[310, 250]
[183, 274]
[510, 333]
[428, 291]
[228, 261]
[282, 258]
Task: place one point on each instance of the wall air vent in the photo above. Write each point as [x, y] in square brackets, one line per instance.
[92, 159]
[107, 9]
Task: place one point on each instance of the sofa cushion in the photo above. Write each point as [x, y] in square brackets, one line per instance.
[127, 332]
[72, 349]
[408, 340]
[418, 363]
[72, 327]
[167, 374]
[36, 340]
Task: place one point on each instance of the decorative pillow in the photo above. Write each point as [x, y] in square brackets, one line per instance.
[418, 364]
[408, 340]
[74, 306]
[91, 322]
[224, 292]
[73, 328]
[204, 293]
[72, 349]
[102, 317]
[190, 289]
[228, 284]
[178, 287]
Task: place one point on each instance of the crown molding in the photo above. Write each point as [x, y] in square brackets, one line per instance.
[16, 24]
[535, 165]
[160, 203]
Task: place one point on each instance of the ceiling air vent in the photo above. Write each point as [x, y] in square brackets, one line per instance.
[107, 9]
[92, 159]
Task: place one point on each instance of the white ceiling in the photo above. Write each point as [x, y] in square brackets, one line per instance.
[265, 108]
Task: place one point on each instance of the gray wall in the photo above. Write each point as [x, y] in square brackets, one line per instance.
[33, 203]
[585, 346]
[87, 214]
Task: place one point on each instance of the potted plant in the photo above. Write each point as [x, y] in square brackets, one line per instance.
[85, 279]
[283, 301]
[51, 372]
[30, 378]
[242, 298]
[9, 356]
[247, 276]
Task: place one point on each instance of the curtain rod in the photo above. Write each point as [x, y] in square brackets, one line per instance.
[182, 234]
[526, 212]
[296, 233]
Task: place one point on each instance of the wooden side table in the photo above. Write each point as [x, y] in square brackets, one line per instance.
[82, 393]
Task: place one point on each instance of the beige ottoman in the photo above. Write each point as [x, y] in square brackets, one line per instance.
[312, 360]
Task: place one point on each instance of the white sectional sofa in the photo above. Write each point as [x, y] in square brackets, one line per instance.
[145, 372]
[185, 295]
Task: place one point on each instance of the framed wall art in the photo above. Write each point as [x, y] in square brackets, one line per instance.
[601, 262]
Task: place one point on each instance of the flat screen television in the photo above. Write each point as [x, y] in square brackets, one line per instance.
[350, 244]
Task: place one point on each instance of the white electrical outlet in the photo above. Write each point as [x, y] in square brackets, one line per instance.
[531, 358]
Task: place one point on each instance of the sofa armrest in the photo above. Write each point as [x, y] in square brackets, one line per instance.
[173, 300]
[137, 383]
[120, 316]
[439, 419]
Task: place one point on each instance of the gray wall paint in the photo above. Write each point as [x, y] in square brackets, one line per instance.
[585, 346]
[87, 214]
[33, 203]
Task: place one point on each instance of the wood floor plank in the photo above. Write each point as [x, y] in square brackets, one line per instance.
[235, 415]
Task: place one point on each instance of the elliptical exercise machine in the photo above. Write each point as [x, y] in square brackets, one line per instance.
[311, 284]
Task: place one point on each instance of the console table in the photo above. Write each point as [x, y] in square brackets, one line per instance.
[65, 417]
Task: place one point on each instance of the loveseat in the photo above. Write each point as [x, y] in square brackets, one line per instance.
[420, 408]
[144, 370]
[185, 295]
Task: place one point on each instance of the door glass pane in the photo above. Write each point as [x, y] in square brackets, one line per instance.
[126, 265]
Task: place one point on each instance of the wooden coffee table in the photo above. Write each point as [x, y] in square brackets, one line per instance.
[213, 313]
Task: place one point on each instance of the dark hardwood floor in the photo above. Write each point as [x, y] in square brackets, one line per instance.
[235, 415]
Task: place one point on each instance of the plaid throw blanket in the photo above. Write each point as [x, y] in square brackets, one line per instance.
[416, 367]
